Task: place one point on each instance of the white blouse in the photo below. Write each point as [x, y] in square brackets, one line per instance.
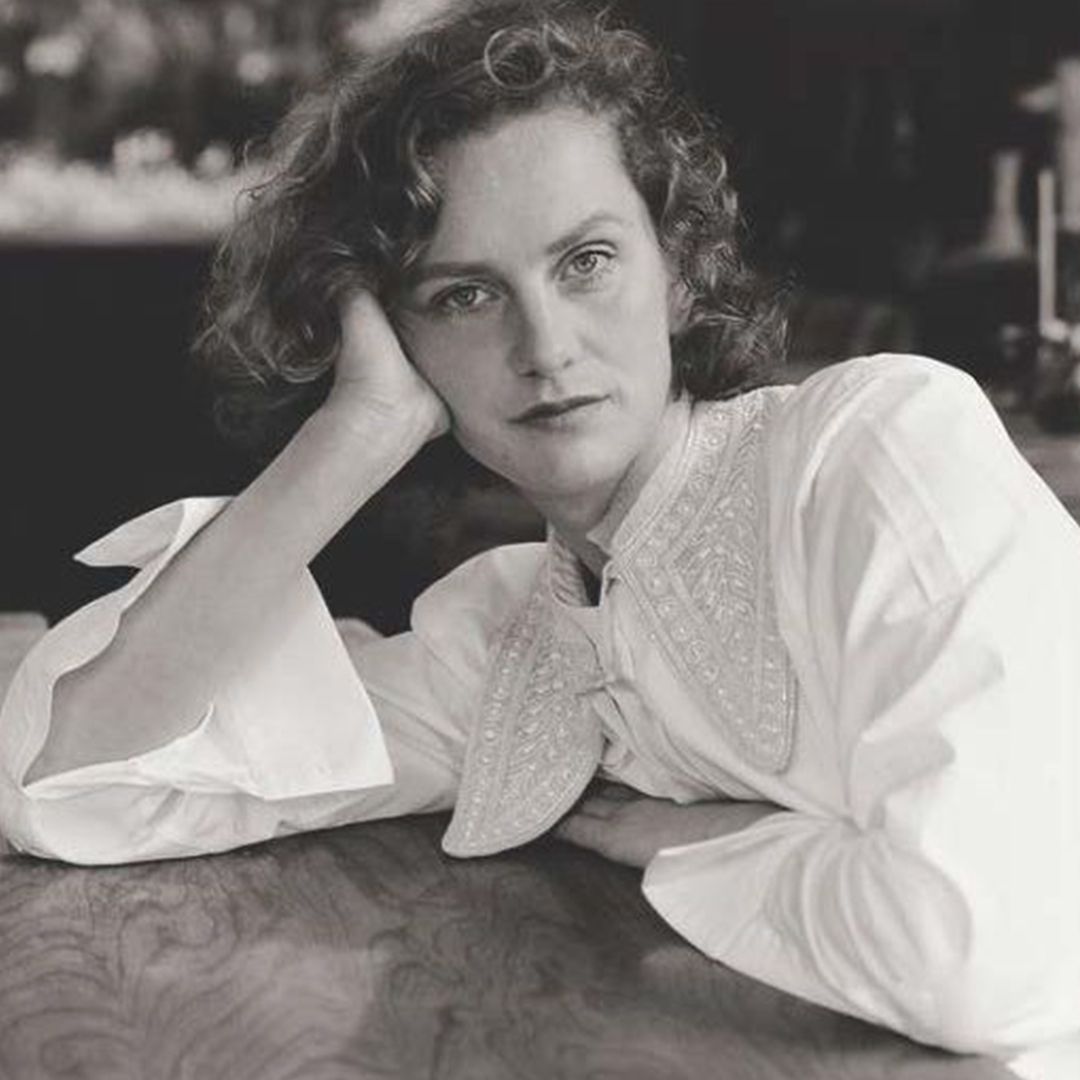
[852, 598]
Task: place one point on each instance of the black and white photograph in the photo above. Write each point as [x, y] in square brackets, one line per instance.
[539, 540]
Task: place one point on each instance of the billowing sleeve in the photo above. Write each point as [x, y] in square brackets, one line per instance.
[929, 591]
[320, 724]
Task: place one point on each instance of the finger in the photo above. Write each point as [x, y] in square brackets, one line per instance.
[600, 807]
[583, 831]
[593, 807]
[612, 789]
[364, 323]
[611, 800]
[355, 306]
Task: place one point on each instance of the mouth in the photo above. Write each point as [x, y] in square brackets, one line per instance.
[551, 410]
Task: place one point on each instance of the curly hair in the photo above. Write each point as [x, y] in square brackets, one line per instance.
[352, 197]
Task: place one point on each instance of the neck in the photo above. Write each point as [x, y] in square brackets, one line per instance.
[574, 518]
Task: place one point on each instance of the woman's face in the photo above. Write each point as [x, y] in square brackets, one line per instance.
[540, 311]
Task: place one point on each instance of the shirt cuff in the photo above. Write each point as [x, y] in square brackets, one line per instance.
[293, 720]
[715, 893]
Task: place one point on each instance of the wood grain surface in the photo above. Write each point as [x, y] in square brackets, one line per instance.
[365, 952]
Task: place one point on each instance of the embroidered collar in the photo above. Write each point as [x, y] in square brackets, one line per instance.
[537, 742]
[629, 508]
[698, 561]
[694, 550]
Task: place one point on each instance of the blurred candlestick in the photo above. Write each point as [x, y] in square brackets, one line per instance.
[1056, 392]
[1068, 99]
[1068, 164]
[1047, 249]
[1003, 234]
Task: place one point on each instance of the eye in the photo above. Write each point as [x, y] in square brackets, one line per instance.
[589, 263]
[463, 298]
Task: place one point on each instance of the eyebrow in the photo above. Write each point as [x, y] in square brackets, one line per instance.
[431, 271]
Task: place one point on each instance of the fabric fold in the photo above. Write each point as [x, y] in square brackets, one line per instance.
[241, 742]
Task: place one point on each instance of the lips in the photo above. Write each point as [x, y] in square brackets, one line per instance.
[548, 410]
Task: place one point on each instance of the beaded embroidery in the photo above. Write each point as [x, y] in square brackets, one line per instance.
[537, 743]
[699, 565]
[701, 571]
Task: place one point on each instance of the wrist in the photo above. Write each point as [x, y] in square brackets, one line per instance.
[371, 427]
[408, 424]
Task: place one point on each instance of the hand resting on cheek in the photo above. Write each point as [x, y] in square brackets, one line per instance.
[373, 376]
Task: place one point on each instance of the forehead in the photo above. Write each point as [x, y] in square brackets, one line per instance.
[529, 179]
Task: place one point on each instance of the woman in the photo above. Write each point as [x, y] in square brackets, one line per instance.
[785, 620]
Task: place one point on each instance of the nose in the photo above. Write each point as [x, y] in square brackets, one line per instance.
[542, 346]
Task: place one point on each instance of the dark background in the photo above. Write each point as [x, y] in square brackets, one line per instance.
[861, 134]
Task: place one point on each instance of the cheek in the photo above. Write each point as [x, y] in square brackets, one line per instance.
[433, 351]
[642, 299]
[641, 339]
[453, 361]
[635, 319]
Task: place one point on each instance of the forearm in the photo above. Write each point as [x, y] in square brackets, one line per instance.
[227, 589]
[853, 920]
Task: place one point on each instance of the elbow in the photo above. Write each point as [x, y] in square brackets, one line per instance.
[960, 1018]
[1000, 1008]
[989, 968]
[1015, 981]
[23, 829]
[99, 827]
[31, 828]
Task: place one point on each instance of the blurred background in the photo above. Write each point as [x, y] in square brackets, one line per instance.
[886, 151]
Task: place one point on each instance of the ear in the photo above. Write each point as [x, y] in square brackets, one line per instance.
[680, 301]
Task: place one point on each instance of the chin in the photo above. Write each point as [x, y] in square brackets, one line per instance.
[573, 478]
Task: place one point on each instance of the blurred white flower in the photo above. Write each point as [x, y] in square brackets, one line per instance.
[9, 12]
[147, 148]
[382, 24]
[123, 46]
[214, 161]
[60, 54]
[256, 67]
[44, 199]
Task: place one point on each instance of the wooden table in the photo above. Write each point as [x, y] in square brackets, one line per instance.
[365, 952]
